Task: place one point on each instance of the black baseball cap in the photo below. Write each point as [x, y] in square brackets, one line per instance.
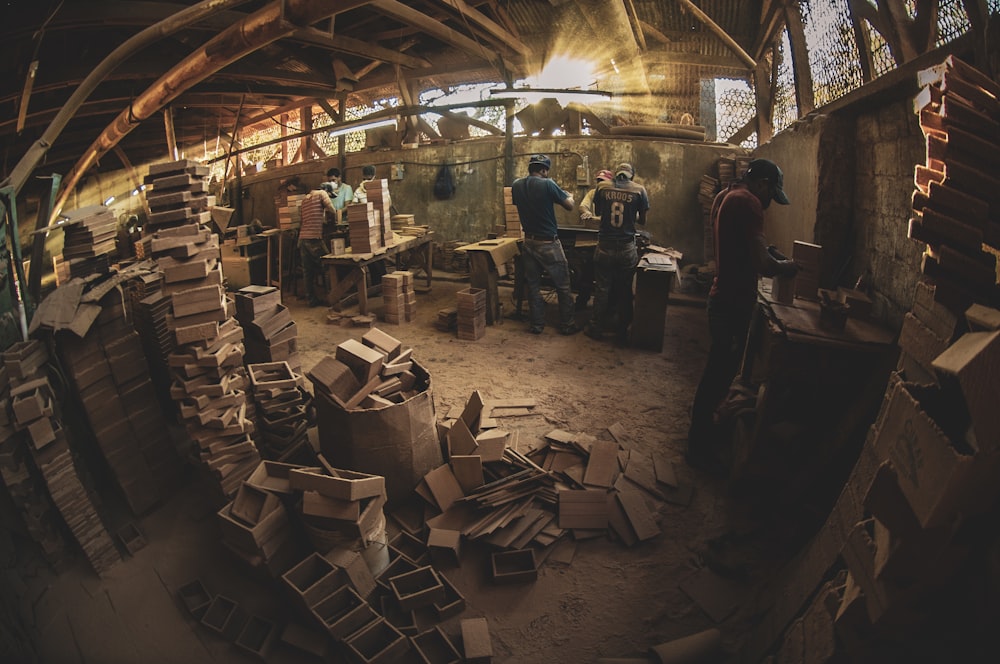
[765, 169]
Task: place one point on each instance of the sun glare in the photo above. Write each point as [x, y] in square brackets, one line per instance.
[566, 73]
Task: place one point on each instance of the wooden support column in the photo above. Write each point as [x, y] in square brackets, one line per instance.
[284, 134]
[168, 126]
[800, 59]
[764, 94]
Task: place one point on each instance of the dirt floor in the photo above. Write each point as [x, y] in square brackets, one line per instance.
[610, 601]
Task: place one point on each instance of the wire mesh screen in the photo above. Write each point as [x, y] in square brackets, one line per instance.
[882, 60]
[734, 107]
[953, 21]
[786, 110]
[833, 53]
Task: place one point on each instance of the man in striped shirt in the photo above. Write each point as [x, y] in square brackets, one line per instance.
[312, 248]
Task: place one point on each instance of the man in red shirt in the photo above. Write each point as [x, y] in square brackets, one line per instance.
[741, 254]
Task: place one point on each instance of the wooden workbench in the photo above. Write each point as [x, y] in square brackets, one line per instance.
[349, 271]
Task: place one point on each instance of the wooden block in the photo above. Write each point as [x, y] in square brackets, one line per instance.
[490, 445]
[345, 485]
[334, 378]
[417, 588]
[444, 546]
[365, 362]
[460, 440]
[476, 644]
[380, 341]
[516, 566]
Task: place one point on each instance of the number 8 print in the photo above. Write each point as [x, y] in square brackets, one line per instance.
[617, 214]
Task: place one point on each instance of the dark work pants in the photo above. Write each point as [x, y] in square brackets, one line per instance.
[614, 271]
[728, 327]
[311, 254]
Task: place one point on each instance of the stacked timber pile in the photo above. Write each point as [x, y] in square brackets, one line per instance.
[269, 333]
[109, 371]
[89, 240]
[377, 192]
[25, 485]
[36, 414]
[512, 220]
[364, 228]
[926, 478]
[372, 373]
[399, 297]
[471, 308]
[288, 211]
[209, 380]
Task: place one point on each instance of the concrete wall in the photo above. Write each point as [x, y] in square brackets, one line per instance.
[670, 171]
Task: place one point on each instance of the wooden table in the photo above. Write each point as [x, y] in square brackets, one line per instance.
[487, 263]
[276, 240]
[349, 271]
[653, 282]
[817, 391]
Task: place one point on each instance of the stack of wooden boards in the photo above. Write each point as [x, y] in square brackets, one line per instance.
[377, 192]
[269, 333]
[208, 375]
[956, 204]
[34, 422]
[108, 368]
[89, 239]
[364, 228]
[179, 194]
[281, 408]
[289, 216]
[399, 297]
[471, 316]
[512, 220]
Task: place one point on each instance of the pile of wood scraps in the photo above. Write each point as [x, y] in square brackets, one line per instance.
[373, 373]
[90, 236]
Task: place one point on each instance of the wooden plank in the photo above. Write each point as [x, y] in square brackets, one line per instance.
[443, 487]
[603, 464]
[468, 471]
[586, 509]
[637, 512]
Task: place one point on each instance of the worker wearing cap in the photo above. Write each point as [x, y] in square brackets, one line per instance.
[367, 175]
[312, 248]
[535, 197]
[741, 254]
[587, 204]
[621, 204]
[585, 283]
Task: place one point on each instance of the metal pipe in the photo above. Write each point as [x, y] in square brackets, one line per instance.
[22, 171]
[272, 22]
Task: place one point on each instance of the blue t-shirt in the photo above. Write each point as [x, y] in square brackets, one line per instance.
[619, 206]
[534, 197]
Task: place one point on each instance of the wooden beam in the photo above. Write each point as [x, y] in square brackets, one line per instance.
[364, 49]
[860, 9]
[633, 18]
[764, 96]
[168, 126]
[500, 34]
[651, 31]
[800, 59]
[438, 30]
[772, 21]
[714, 28]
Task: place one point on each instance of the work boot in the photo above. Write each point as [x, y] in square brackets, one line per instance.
[571, 328]
[593, 332]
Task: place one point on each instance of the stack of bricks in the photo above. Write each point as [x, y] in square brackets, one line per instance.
[956, 204]
[471, 313]
[33, 406]
[179, 194]
[364, 229]
[108, 368]
[399, 298]
[26, 490]
[511, 218]
[288, 212]
[89, 240]
[281, 406]
[269, 333]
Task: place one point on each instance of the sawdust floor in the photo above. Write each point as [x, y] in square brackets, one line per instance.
[610, 600]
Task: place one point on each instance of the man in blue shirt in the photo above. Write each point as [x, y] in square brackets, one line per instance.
[534, 197]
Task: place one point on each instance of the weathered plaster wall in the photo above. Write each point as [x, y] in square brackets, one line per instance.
[670, 171]
[850, 178]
